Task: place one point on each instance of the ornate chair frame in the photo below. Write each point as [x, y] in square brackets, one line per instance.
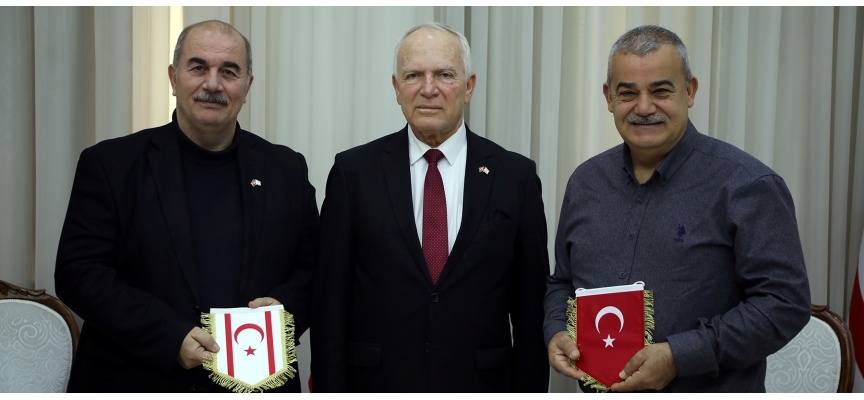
[847, 357]
[10, 291]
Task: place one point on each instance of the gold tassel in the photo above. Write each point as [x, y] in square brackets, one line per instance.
[571, 323]
[648, 305]
[207, 326]
[276, 380]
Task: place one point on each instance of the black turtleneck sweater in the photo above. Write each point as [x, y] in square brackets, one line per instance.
[216, 214]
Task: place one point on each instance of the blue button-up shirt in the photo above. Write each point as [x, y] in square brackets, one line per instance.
[712, 233]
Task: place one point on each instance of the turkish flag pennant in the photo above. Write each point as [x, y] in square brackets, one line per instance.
[256, 347]
[609, 329]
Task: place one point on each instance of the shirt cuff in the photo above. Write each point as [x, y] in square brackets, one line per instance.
[693, 354]
[550, 328]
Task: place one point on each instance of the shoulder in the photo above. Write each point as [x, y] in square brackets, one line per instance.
[129, 148]
[736, 163]
[140, 139]
[501, 156]
[279, 152]
[396, 142]
[603, 164]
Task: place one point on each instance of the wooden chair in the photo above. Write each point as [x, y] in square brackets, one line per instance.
[818, 360]
[38, 340]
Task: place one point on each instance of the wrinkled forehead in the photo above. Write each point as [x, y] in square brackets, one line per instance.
[661, 63]
[440, 46]
[215, 40]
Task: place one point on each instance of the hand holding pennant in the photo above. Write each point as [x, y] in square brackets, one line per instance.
[257, 347]
[609, 325]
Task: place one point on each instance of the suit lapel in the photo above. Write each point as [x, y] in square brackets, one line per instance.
[397, 173]
[478, 185]
[167, 166]
[251, 164]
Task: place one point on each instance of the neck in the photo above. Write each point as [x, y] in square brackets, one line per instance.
[645, 162]
[213, 139]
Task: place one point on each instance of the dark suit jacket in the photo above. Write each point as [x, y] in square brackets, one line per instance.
[126, 262]
[380, 325]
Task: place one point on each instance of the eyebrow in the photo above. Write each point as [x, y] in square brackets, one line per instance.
[625, 85]
[440, 69]
[226, 64]
[662, 82]
[632, 86]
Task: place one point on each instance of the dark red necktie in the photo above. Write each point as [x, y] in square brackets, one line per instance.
[434, 216]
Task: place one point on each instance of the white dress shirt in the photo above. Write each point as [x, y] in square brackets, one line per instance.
[452, 171]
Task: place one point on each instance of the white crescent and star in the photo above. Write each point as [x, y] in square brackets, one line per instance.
[609, 310]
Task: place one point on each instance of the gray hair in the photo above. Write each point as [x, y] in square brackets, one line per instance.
[222, 24]
[647, 39]
[466, 49]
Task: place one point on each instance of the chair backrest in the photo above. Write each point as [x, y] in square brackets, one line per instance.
[38, 339]
[817, 360]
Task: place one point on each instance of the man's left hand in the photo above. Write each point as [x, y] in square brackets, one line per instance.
[653, 367]
[263, 301]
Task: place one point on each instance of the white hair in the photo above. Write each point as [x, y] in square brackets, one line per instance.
[466, 49]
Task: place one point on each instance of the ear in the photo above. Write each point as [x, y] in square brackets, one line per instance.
[608, 96]
[248, 87]
[472, 82]
[691, 91]
[396, 89]
[172, 77]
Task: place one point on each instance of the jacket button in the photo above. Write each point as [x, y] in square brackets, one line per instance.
[434, 297]
[622, 275]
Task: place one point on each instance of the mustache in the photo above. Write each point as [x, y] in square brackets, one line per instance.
[211, 98]
[651, 119]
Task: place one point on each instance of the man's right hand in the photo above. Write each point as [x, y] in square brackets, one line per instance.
[196, 348]
[562, 349]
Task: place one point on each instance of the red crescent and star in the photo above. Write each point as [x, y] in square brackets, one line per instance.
[250, 351]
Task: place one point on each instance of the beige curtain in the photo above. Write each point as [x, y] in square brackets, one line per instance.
[782, 83]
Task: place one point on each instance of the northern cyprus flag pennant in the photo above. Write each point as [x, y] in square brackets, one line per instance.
[256, 347]
[609, 326]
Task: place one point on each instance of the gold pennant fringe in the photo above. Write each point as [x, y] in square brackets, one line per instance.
[276, 380]
[648, 305]
[648, 312]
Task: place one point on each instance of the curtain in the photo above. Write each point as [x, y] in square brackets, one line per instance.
[782, 83]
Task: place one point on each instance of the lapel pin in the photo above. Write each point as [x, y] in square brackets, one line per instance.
[256, 182]
[483, 170]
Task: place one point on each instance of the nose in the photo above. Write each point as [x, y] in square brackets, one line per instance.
[645, 105]
[429, 88]
[212, 82]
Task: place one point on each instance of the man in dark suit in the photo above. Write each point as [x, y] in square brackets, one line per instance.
[169, 222]
[433, 242]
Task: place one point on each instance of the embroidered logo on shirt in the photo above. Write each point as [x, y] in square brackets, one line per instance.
[680, 235]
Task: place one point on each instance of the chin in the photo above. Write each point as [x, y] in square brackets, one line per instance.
[429, 127]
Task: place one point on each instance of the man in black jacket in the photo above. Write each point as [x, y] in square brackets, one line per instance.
[169, 222]
[433, 243]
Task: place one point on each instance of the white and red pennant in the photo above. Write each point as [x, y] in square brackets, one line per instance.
[257, 347]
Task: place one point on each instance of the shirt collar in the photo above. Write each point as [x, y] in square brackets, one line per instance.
[451, 147]
[673, 160]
